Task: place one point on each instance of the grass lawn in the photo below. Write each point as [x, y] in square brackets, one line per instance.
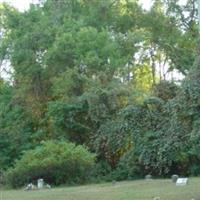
[133, 190]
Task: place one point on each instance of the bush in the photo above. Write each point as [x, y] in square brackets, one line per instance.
[55, 162]
[128, 167]
[194, 169]
[101, 172]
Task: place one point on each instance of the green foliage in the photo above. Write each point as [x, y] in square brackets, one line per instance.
[86, 71]
[158, 141]
[188, 116]
[112, 141]
[67, 121]
[55, 162]
[101, 171]
[15, 128]
[165, 90]
[128, 167]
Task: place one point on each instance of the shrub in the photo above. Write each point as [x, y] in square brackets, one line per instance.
[101, 172]
[128, 167]
[55, 162]
[194, 169]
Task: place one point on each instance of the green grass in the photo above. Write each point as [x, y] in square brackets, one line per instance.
[133, 190]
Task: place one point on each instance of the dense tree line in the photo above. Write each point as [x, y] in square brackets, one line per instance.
[95, 73]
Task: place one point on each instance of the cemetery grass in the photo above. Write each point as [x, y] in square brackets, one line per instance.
[129, 190]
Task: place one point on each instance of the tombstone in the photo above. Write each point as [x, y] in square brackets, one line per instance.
[174, 178]
[114, 182]
[40, 183]
[182, 181]
[29, 187]
[148, 177]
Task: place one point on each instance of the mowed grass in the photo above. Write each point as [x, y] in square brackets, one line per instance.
[131, 190]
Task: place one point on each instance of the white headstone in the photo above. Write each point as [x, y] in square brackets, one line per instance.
[181, 181]
[40, 183]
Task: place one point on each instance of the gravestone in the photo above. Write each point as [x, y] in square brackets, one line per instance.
[182, 181]
[114, 182]
[174, 178]
[148, 177]
[40, 183]
[30, 186]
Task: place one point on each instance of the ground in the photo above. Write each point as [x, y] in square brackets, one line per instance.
[132, 190]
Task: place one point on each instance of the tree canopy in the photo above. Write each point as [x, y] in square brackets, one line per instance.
[96, 73]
